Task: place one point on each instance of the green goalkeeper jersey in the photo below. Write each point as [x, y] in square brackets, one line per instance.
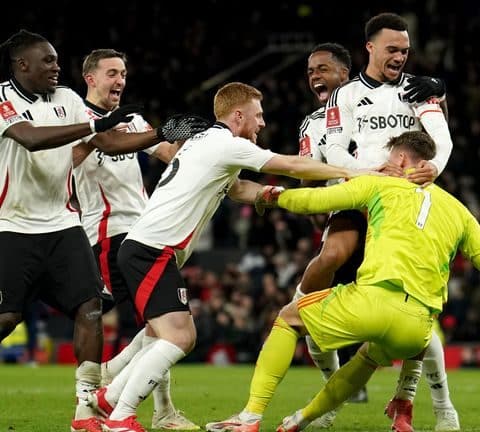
[413, 232]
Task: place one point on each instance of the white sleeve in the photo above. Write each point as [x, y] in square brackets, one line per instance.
[433, 121]
[139, 124]
[242, 153]
[340, 124]
[9, 116]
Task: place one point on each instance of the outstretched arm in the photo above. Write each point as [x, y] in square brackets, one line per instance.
[305, 168]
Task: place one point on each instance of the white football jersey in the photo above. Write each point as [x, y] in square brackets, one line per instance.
[312, 135]
[36, 187]
[110, 189]
[370, 113]
[192, 187]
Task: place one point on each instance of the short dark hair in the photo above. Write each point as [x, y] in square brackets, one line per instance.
[13, 46]
[420, 145]
[339, 52]
[90, 62]
[386, 20]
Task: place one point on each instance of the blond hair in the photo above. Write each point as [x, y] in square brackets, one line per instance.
[231, 96]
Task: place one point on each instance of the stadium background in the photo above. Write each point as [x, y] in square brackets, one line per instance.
[246, 267]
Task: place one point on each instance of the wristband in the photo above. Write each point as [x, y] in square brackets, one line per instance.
[92, 125]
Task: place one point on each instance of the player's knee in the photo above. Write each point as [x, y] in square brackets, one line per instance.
[185, 341]
[90, 312]
[289, 313]
[8, 322]
[333, 257]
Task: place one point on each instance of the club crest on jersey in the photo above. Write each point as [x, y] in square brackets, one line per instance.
[60, 111]
[182, 295]
[333, 117]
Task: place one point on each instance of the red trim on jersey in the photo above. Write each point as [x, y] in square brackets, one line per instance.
[70, 192]
[105, 247]
[104, 242]
[431, 110]
[5, 189]
[183, 244]
[150, 280]
[102, 226]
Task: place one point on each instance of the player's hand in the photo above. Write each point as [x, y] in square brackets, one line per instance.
[391, 169]
[424, 173]
[267, 197]
[421, 88]
[181, 127]
[122, 114]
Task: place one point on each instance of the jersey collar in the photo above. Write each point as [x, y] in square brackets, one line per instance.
[100, 112]
[220, 125]
[26, 95]
[373, 83]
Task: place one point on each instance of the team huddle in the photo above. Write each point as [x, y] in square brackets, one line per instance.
[384, 131]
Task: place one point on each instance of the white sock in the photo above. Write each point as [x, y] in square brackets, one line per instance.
[327, 362]
[247, 416]
[298, 293]
[408, 379]
[115, 388]
[116, 364]
[145, 376]
[434, 365]
[162, 402]
[87, 379]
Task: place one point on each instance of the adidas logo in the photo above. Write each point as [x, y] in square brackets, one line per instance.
[365, 101]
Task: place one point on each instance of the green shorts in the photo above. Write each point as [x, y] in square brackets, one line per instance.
[397, 325]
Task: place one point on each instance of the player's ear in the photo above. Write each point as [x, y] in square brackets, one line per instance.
[88, 79]
[21, 63]
[344, 74]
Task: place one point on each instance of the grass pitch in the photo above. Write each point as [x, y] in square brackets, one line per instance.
[42, 399]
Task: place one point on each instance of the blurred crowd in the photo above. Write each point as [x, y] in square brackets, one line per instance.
[175, 55]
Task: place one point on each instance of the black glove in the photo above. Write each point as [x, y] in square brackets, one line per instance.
[120, 115]
[420, 88]
[180, 127]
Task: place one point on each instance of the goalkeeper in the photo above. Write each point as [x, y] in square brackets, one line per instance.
[401, 286]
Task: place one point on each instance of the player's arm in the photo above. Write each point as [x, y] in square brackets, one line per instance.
[444, 107]
[165, 151]
[35, 138]
[80, 152]
[433, 121]
[306, 168]
[470, 244]
[340, 124]
[244, 191]
[354, 194]
[178, 127]
[115, 142]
